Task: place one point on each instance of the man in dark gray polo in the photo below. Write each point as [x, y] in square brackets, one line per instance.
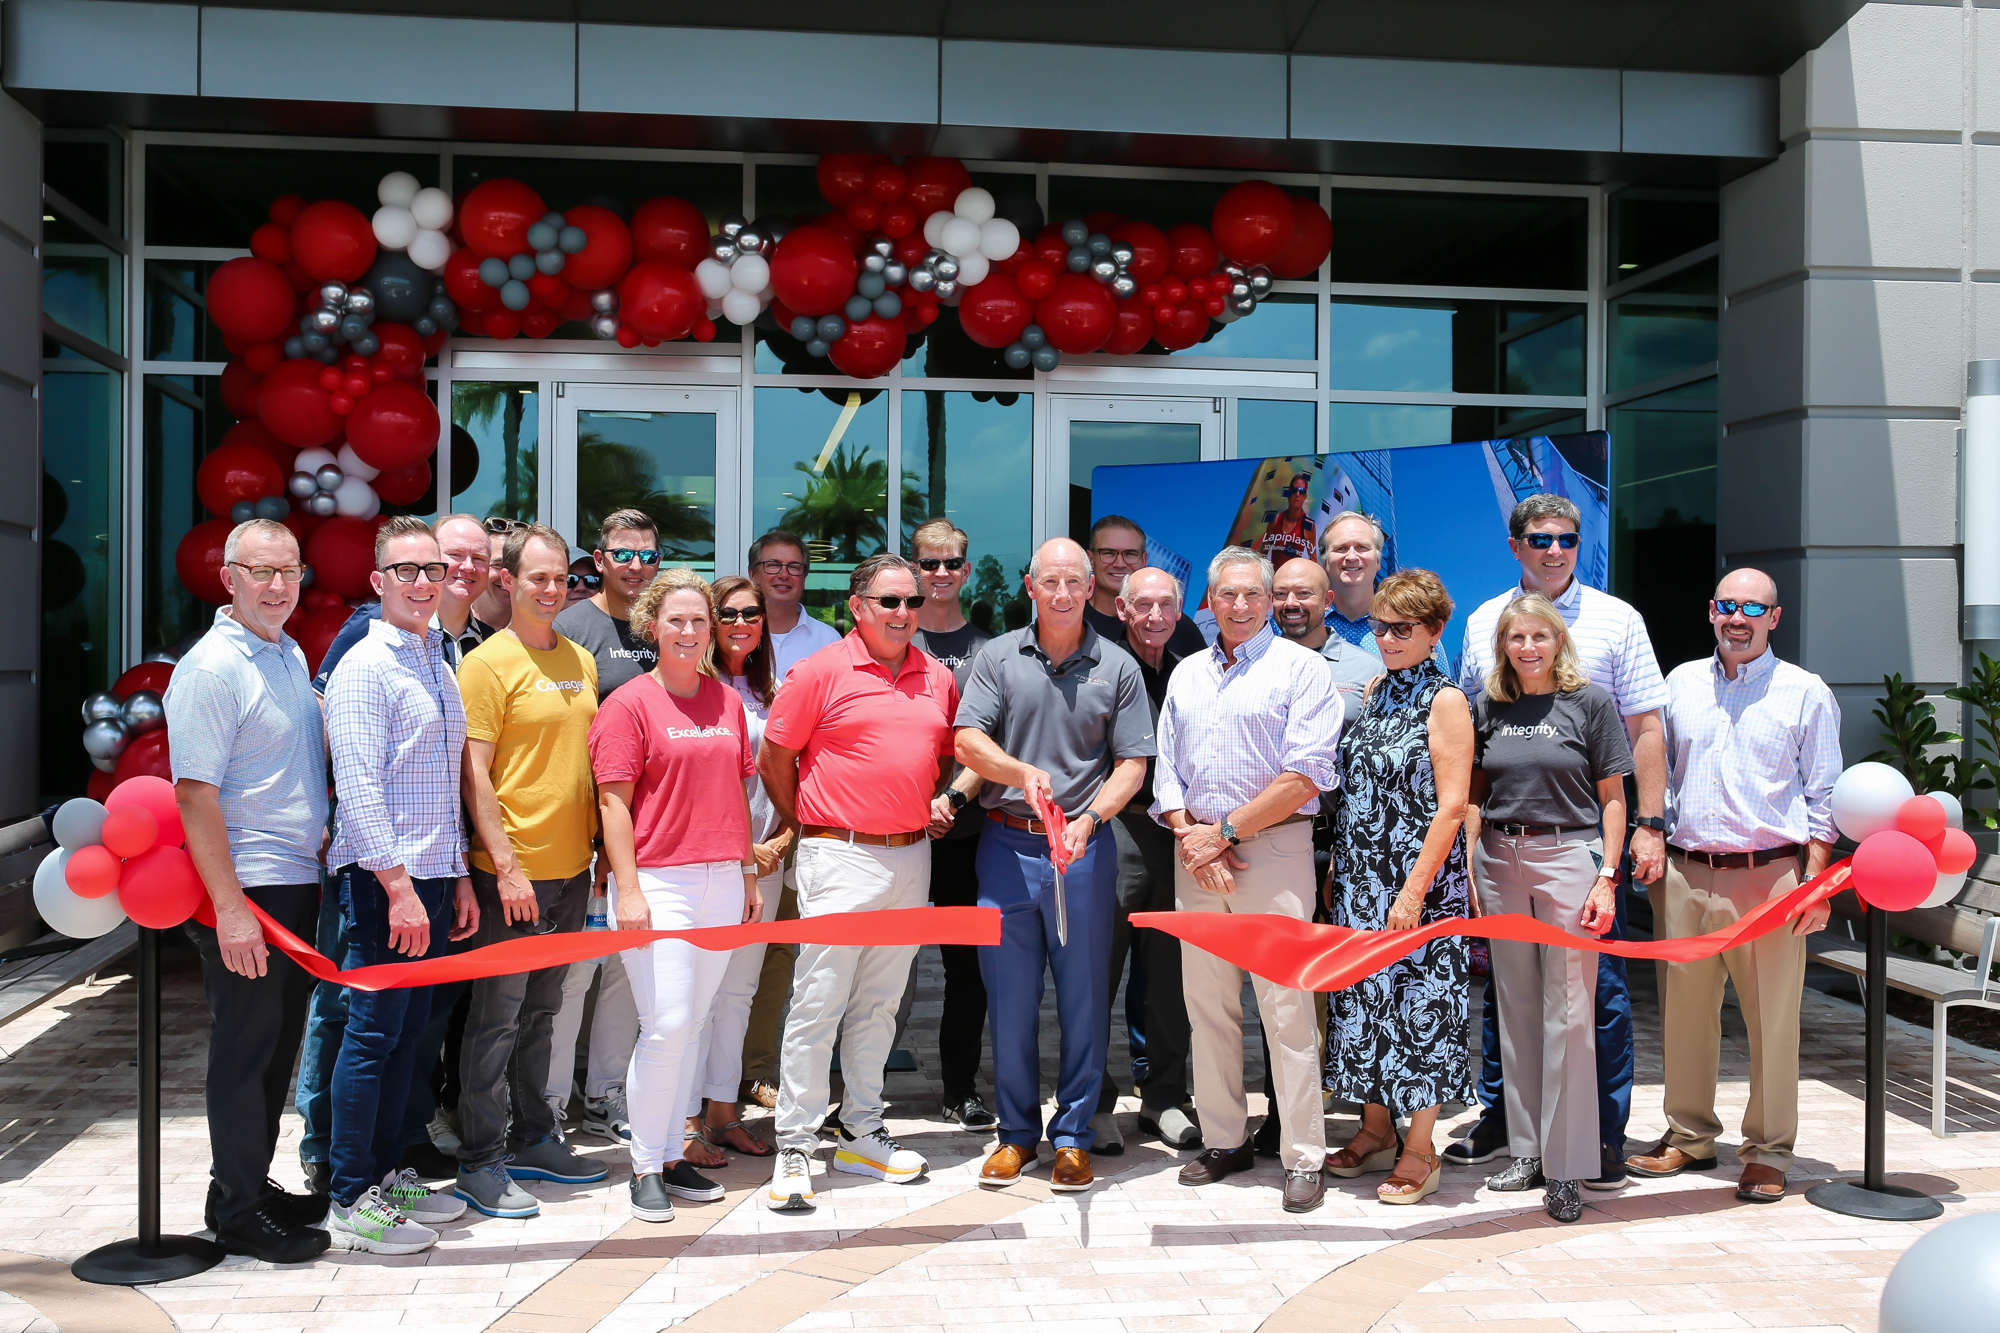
[1051, 714]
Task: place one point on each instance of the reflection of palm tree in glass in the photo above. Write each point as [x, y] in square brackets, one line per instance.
[476, 404]
[844, 510]
[616, 476]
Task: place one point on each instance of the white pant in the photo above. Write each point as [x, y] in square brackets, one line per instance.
[673, 984]
[614, 1026]
[846, 990]
[719, 1067]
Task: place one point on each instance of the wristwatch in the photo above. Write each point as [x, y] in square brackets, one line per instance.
[1096, 820]
[1653, 822]
[1228, 831]
[959, 800]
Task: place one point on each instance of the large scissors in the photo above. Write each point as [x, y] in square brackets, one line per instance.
[1054, 825]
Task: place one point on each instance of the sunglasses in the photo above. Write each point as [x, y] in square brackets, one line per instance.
[1297, 490]
[503, 527]
[891, 602]
[265, 573]
[931, 564]
[1391, 629]
[624, 555]
[1542, 541]
[729, 615]
[406, 571]
[1729, 606]
[590, 581]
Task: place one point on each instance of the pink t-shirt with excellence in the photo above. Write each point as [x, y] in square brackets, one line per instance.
[686, 759]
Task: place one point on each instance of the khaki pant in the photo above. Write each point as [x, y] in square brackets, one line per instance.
[1769, 975]
[774, 989]
[1279, 880]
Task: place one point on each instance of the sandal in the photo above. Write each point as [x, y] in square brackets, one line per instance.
[698, 1151]
[1399, 1188]
[1347, 1163]
[750, 1145]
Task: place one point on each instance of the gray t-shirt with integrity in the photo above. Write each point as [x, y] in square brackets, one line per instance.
[956, 648]
[621, 655]
[1544, 754]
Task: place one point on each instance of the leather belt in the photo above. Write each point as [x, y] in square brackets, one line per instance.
[865, 839]
[1535, 830]
[1025, 825]
[1739, 860]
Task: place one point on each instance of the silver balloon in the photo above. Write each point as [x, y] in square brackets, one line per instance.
[322, 504]
[1239, 290]
[895, 273]
[922, 280]
[104, 739]
[946, 269]
[1124, 286]
[882, 246]
[732, 223]
[750, 241]
[604, 302]
[167, 655]
[604, 326]
[1234, 269]
[105, 765]
[328, 478]
[302, 484]
[1122, 252]
[1260, 283]
[874, 263]
[723, 250]
[333, 295]
[323, 321]
[1244, 306]
[100, 707]
[360, 301]
[142, 712]
[1104, 270]
[947, 289]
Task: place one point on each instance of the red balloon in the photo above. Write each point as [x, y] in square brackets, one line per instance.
[463, 286]
[404, 485]
[900, 219]
[292, 404]
[333, 241]
[549, 291]
[250, 300]
[253, 433]
[607, 251]
[272, 241]
[813, 270]
[856, 243]
[1149, 250]
[303, 525]
[843, 177]
[285, 209]
[241, 471]
[92, 872]
[1921, 818]
[1182, 327]
[144, 755]
[1191, 250]
[156, 797]
[1252, 222]
[315, 631]
[342, 555]
[659, 299]
[1078, 315]
[670, 229]
[1134, 329]
[1956, 851]
[401, 354]
[1893, 871]
[911, 250]
[198, 561]
[1036, 278]
[864, 214]
[161, 889]
[98, 786]
[1050, 245]
[263, 358]
[239, 390]
[1308, 245]
[934, 183]
[994, 312]
[538, 322]
[394, 426]
[129, 832]
[886, 182]
[501, 323]
[869, 348]
[319, 599]
[495, 215]
[144, 676]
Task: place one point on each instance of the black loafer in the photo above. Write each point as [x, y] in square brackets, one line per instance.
[291, 1210]
[261, 1235]
[1265, 1140]
[970, 1112]
[1215, 1164]
[1486, 1142]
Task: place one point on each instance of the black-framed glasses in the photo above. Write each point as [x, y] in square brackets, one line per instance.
[1127, 553]
[796, 568]
[265, 573]
[1398, 630]
[590, 581]
[1542, 541]
[729, 615]
[406, 571]
[625, 555]
[501, 526]
[1729, 606]
[931, 564]
[891, 602]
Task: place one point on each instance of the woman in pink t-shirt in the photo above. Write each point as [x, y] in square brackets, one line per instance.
[670, 750]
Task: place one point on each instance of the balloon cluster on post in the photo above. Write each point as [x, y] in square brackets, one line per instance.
[1911, 850]
[119, 857]
[124, 727]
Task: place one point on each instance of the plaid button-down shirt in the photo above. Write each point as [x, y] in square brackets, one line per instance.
[1750, 762]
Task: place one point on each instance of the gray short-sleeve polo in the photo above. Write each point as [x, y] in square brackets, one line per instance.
[1073, 719]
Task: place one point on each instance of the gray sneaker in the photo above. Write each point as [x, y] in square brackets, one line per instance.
[1109, 1141]
[649, 1199]
[551, 1159]
[607, 1117]
[490, 1190]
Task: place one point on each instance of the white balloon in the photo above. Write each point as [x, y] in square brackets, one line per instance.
[397, 189]
[751, 273]
[1954, 812]
[79, 822]
[312, 460]
[998, 238]
[352, 467]
[974, 205]
[741, 307]
[712, 276]
[1866, 798]
[934, 229]
[714, 310]
[1948, 887]
[353, 498]
[430, 250]
[972, 269]
[431, 208]
[65, 910]
[961, 237]
[395, 228]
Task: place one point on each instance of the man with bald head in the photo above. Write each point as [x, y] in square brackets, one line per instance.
[1300, 595]
[1753, 748]
[1051, 714]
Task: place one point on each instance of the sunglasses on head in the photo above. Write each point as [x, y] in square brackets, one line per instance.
[503, 527]
[625, 555]
[1729, 606]
[931, 564]
[1391, 629]
[891, 602]
[1542, 541]
[590, 581]
[729, 615]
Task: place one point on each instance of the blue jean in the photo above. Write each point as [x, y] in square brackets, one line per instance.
[326, 1018]
[1015, 876]
[371, 1076]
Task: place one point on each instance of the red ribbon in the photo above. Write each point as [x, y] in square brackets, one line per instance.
[1304, 956]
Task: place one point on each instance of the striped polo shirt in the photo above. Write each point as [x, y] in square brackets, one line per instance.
[1609, 637]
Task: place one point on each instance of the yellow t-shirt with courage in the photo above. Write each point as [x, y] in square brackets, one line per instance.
[534, 706]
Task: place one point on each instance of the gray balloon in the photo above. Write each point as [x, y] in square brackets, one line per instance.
[314, 343]
[328, 354]
[857, 307]
[882, 246]
[870, 285]
[816, 347]
[1017, 357]
[888, 305]
[542, 236]
[242, 512]
[99, 706]
[1260, 283]
[1244, 306]
[295, 347]
[921, 280]
[514, 295]
[1075, 232]
[750, 241]
[321, 504]
[803, 327]
[947, 288]
[493, 272]
[306, 579]
[353, 329]
[830, 328]
[168, 655]
[424, 325]
[1033, 338]
[104, 739]
[79, 822]
[105, 765]
[1046, 358]
[272, 507]
[1077, 260]
[571, 240]
[368, 344]
[302, 484]
[604, 302]
[1099, 243]
[329, 477]
[550, 261]
[142, 712]
[521, 267]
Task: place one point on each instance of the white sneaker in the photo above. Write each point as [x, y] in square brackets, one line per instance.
[409, 1196]
[791, 1183]
[373, 1226]
[877, 1155]
[443, 1137]
[607, 1116]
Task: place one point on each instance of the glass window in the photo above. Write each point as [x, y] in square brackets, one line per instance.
[1095, 444]
[1460, 240]
[1275, 428]
[1282, 328]
[620, 185]
[1664, 329]
[83, 286]
[1650, 227]
[1457, 346]
[87, 168]
[942, 351]
[177, 324]
[82, 470]
[1164, 203]
[822, 471]
[197, 195]
[660, 462]
[1663, 453]
[495, 433]
[1353, 426]
[183, 419]
[968, 457]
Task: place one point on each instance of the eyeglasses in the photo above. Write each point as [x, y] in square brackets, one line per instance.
[1297, 490]
[891, 602]
[931, 564]
[265, 573]
[729, 615]
[590, 581]
[1729, 606]
[1542, 541]
[406, 571]
[1126, 553]
[793, 567]
[624, 555]
[504, 527]
[1392, 629]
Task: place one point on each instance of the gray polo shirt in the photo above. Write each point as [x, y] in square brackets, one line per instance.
[1072, 719]
[242, 716]
[1352, 667]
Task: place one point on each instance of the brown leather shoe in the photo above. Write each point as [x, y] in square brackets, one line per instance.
[1663, 1160]
[1072, 1170]
[1761, 1184]
[1303, 1190]
[758, 1091]
[1009, 1160]
[1218, 1163]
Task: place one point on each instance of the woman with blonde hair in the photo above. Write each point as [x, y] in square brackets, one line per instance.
[1549, 784]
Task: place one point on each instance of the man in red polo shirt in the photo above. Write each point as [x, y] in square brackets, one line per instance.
[857, 746]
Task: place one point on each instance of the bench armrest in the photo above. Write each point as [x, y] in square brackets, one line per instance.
[1988, 938]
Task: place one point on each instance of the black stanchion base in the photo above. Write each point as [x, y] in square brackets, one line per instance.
[133, 1263]
[1891, 1203]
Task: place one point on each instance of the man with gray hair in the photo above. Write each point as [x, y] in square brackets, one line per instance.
[1248, 740]
[1350, 551]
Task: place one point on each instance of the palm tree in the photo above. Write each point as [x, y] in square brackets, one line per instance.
[844, 510]
[475, 404]
[611, 476]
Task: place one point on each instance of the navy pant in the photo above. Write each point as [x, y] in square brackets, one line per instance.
[1015, 876]
[326, 1017]
[378, 1048]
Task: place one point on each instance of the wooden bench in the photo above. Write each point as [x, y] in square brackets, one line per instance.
[36, 966]
[1970, 924]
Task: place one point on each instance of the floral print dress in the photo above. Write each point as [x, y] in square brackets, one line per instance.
[1399, 1037]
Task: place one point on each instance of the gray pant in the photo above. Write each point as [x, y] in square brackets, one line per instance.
[504, 1060]
[1547, 997]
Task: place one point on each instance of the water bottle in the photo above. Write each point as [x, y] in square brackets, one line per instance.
[600, 913]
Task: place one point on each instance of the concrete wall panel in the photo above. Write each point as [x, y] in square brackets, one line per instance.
[1763, 344]
[1755, 465]
[798, 75]
[1892, 67]
[1716, 115]
[1868, 615]
[1120, 90]
[1764, 224]
[1422, 101]
[1883, 205]
[101, 46]
[1883, 344]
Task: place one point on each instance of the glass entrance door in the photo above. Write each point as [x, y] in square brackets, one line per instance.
[667, 451]
[1087, 432]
